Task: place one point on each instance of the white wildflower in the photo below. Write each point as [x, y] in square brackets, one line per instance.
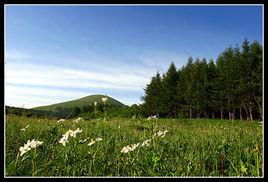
[134, 146]
[73, 133]
[29, 145]
[23, 150]
[64, 140]
[134, 117]
[104, 99]
[83, 141]
[126, 149]
[35, 144]
[152, 117]
[91, 142]
[61, 120]
[161, 133]
[23, 129]
[95, 103]
[164, 132]
[145, 143]
[129, 148]
[70, 133]
[78, 120]
[98, 139]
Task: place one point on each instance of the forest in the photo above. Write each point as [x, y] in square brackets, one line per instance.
[229, 87]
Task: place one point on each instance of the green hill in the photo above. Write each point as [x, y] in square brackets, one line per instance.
[65, 107]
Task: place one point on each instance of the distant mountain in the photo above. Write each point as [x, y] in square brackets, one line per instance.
[65, 107]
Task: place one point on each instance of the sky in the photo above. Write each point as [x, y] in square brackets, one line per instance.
[59, 53]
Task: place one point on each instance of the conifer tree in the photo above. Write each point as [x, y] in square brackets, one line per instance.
[170, 91]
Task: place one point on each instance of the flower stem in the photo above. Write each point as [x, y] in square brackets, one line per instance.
[17, 159]
[33, 163]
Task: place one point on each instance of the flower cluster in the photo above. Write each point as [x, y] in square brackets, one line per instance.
[83, 141]
[104, 99]
[78, 119]
[95, 103]
[23, 129]
[61, 120]
[70, 133]
[29, 145]
[152, 117]
[129, 148]
[144, 143]
[98, 139]
[161, 133]
[94, 141]
[91, 142]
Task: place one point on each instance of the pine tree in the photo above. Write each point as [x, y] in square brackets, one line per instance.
[204, 86]
[256, 92]
[226, 72]
[211, 88]
[169, 92]
[188, 84]
[153, 96]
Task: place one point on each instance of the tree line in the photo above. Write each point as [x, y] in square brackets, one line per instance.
[86, 112]
[229, 87]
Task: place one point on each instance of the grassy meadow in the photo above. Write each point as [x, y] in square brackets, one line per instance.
[173, 147]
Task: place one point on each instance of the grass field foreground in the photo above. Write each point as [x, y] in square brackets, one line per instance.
[134, 147]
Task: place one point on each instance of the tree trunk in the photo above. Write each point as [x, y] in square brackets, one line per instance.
[240, 114]
[221, 114]
[246, 111]
[229, 113]
[190, 113]
[260, 107]
[205, 114]
[250, 114]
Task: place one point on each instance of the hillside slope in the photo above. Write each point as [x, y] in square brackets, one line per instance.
[65, 107]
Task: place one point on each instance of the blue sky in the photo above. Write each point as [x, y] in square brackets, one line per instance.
[60, 53]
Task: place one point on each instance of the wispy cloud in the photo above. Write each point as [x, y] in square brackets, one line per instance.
[29, 96]
[31, 85]
[30, 74]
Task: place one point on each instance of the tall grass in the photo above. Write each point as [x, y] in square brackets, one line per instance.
[189, 148]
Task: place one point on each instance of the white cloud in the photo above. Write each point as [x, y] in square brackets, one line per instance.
[33, 96]
[30, 97]
[30, 83]
[30, 74]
